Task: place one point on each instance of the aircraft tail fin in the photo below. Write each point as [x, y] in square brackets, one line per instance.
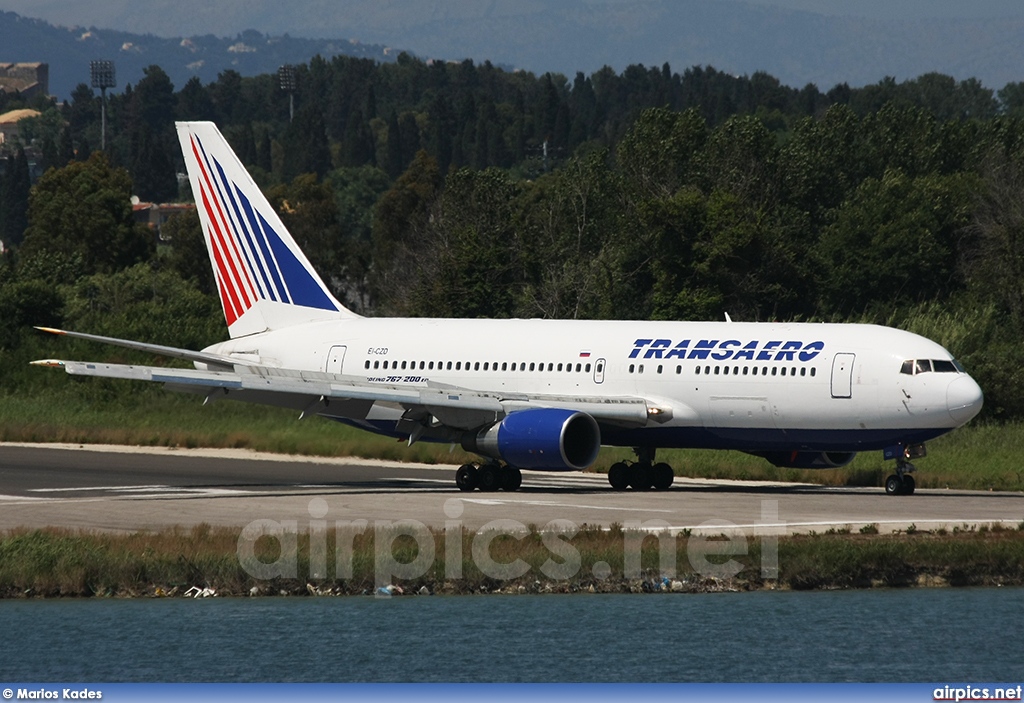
[264, 280]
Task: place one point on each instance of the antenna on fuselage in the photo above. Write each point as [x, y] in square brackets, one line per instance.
[727, 318]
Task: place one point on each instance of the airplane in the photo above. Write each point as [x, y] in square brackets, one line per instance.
[537, 394]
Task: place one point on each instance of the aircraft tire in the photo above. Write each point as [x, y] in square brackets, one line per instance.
[618, 476]
[466, 478]
[662, 476]
[490, 478]
[511, 478]
[909, 484]
[640, 477]
[893, 485]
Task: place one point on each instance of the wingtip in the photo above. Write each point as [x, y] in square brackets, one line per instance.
[50, 363]
[51, 330]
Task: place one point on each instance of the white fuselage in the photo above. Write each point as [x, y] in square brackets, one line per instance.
[748, 386]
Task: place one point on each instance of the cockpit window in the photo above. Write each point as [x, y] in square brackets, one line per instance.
[915, 366]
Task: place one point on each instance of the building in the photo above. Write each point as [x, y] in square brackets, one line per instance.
[9, 123]
[29, 79]
[155, 215]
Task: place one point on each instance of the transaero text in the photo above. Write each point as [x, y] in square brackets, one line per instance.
[724, 350]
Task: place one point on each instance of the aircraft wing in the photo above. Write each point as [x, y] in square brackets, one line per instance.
[348, 397]
[225, 362]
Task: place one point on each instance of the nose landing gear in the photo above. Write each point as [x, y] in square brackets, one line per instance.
[902, 483]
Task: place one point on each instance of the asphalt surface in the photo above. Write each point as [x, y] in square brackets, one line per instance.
[126, 490]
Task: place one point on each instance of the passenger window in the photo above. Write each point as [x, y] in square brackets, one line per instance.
[449, 366]
[403, 366]
[376, 364]
[812, 372]
[725, 371]
[504, 366]
[679, 370]
[698, 371]
[632, 368]
[717, 370]
[367, 365]
[476, 366]
[803, 371]
[641, 369]
[600, 368]
[551, 367]
[532, 366]
[923, 366]
[659, 368]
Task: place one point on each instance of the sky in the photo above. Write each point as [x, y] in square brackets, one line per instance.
[221, 16]
[903, 9]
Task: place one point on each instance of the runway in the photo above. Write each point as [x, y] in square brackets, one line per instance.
[132, 489]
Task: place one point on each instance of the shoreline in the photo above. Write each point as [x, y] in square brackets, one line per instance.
[208, 562]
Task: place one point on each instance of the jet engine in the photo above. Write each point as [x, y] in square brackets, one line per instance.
[543, 438]
[809, 460]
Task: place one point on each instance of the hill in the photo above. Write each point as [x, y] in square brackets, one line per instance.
[68, 51]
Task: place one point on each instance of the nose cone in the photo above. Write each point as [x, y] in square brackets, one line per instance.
[963, 399]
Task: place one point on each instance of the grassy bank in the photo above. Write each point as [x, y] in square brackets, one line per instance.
[50, 563]
[982, 456]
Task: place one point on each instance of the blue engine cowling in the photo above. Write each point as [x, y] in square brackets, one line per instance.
[809, 460]
[550, 439]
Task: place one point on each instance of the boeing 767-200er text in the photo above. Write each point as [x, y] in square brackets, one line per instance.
[543, 395]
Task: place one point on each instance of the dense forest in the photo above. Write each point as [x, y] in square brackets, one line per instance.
[464, 190]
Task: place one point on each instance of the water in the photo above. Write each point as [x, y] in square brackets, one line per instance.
[879, 635]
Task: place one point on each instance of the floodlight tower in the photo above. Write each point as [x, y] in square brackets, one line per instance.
[286, 77]
[103, 77]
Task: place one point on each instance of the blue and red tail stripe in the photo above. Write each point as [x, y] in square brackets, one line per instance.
[251, 259]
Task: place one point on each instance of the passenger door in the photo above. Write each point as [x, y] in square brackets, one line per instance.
[842, 375]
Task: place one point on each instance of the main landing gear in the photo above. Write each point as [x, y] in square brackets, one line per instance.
[642, 475]
[489, 477]
[902, 483]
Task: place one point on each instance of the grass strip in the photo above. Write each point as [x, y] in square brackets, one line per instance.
[58, 562]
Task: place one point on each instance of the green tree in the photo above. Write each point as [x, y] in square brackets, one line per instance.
[893, 242]
[14, 194]
[399, 222]
[189, 257]
[309, 211]
[83, 213]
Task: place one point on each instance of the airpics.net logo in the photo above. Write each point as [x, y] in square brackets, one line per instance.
[408, 549]
[978, 693]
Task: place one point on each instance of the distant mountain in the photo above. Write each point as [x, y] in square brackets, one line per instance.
[69, 50]
[794, 45]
